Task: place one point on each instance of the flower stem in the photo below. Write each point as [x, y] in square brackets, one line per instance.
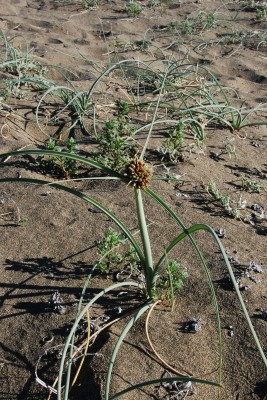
[148, 262]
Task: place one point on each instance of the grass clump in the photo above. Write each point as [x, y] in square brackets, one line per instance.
[17, 62]
[194, 24]
[202, 21]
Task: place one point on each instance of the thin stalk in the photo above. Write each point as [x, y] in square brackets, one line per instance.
[148, 260]
[154, 116]
[187, 233]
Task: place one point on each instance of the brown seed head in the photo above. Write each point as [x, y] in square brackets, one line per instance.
[138, 174]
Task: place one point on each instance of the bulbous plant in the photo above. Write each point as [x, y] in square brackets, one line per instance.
[137, 177]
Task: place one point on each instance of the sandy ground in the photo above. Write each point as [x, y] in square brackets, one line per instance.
[54, 248]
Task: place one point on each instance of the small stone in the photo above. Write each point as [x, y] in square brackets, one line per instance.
[253, 266]
[192, 326]
[220, 233]
[255, 279]
[257, 207]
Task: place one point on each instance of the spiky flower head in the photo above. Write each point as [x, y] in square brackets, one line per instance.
[138, 174]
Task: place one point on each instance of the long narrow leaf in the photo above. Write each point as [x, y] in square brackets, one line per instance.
[90, 200]
[119, 342]
[187, 232]
[71, 156]
[163, 380]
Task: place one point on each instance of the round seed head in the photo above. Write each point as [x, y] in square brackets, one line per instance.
[138, 174]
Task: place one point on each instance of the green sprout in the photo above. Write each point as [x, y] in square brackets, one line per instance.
[173, 283]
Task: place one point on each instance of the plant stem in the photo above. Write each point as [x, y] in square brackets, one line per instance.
[148, 260]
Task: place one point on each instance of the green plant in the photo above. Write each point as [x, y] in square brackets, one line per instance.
[19, 63]
[172, 284]
[228, 148]
[108, 254]
[56, 165]
[134, 9]
[115, 143]
[173, 148]
[232, 209]
[261, 11]
[137, 178]
[91, 3]
[251, 186]
[23, 220]
[202, 21]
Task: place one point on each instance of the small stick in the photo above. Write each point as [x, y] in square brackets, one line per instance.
[161, 359]
[153, 348]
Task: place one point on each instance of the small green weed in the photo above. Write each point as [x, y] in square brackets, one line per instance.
[108, 254]
[173, 283]
[23, 220]
[261, 12]
[173, 148]
[59, 166]
[134, 9]
[194, 24]
[251, 186]
[115, 143]
[233, 210]
[91, 3]
[228, 148]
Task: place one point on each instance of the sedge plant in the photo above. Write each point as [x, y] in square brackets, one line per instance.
[137, 177]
